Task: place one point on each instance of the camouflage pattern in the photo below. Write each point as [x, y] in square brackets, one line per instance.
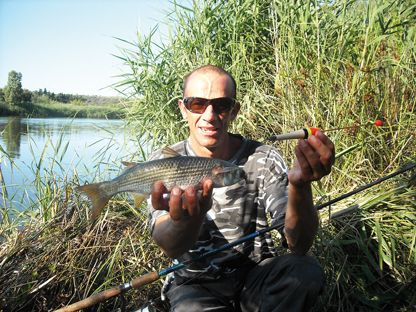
[237, 210]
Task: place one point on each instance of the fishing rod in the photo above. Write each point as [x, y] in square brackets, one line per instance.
[154, 276]
[307, 132]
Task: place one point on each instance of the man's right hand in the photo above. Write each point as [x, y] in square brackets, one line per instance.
[182, 203]
[176, 232]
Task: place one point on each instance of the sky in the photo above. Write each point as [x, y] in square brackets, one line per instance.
[67, 45]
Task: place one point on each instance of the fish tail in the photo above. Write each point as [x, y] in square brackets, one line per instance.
[98, 198]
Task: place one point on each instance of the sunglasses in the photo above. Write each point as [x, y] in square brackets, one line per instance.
[198, 105]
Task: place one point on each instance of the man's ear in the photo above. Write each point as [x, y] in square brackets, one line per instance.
[235, 110]
[183, 109]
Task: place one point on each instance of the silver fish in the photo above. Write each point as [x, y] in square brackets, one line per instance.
[176, 170]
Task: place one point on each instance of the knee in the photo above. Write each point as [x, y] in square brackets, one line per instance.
[306, 272]
[187, 306]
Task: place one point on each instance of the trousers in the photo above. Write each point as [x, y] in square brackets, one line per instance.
[283, 283]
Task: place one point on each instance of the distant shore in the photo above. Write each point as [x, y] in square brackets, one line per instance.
[70, 110]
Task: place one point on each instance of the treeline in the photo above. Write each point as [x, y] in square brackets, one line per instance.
[16, 101]
[41, 95]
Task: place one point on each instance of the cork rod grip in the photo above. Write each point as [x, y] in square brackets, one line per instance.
[109, 293]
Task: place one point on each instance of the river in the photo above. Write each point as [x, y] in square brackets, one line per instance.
[37, 147]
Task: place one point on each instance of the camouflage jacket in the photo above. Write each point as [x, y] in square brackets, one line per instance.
[237, 210]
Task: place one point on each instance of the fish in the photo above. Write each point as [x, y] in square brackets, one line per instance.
[173, 170]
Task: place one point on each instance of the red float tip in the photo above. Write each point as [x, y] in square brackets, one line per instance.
[314, 130]
[378, 123]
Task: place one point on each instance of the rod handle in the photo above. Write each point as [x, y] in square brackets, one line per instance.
[109, 293]
[144, 279]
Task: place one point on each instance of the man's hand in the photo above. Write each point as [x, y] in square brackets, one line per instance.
[314, 159]
[177, 231]
[182, 203]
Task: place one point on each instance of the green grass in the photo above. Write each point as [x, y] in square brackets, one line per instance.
[76, 109]
[51, 252]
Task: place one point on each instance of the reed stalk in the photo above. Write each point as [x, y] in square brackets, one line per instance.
[326, 64]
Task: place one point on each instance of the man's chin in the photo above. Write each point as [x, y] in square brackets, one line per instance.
[209, 143]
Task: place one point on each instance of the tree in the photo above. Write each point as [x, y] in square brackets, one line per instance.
[27, 96]
[13, 92]
[1, 95]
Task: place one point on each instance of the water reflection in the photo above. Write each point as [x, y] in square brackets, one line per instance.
[11, 131]
[91, 148]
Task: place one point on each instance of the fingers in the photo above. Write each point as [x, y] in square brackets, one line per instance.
[315, 157]
[206, 197]
[171, 203]
[158, 202]
[325, 148]
[190, 204]
[175, 204]
[308, 160]
[181, 203]
[195, 203]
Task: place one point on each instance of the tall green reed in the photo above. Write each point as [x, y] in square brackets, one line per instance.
[311, 63]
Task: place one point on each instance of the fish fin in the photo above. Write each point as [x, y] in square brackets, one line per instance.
[128, 164]
[97, 197]
[169, 152]
[138, 199]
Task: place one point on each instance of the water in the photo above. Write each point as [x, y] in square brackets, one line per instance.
[60, 147]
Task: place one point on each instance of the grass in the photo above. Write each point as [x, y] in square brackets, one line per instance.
[67, 258]
[327, 64]
[368, 254]
[57, 109]
[51, 253]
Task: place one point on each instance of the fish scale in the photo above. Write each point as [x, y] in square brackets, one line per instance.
[182, 171]
[172, 173]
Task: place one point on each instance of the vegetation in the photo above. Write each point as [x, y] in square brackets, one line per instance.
[328, 64]
[15, 101]
[13, 92]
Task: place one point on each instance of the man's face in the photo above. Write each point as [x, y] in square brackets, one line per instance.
[209, 129]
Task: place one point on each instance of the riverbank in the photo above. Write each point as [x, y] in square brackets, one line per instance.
[76, 109]
[61, 257]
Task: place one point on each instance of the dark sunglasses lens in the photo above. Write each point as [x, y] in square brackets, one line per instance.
[199, 105]
[222, 105]
[196, 105]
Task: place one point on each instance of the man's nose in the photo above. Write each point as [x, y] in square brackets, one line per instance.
[209, 113]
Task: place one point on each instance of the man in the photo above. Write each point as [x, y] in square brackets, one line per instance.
[249, 277]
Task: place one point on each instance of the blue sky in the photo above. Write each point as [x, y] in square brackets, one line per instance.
[66, 45]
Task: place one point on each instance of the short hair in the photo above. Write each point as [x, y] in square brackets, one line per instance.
[210, 68]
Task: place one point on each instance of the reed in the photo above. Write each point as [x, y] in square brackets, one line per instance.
[51, 252]
[326, 64]
[49, 263]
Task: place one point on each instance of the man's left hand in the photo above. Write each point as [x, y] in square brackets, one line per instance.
[314, 159]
